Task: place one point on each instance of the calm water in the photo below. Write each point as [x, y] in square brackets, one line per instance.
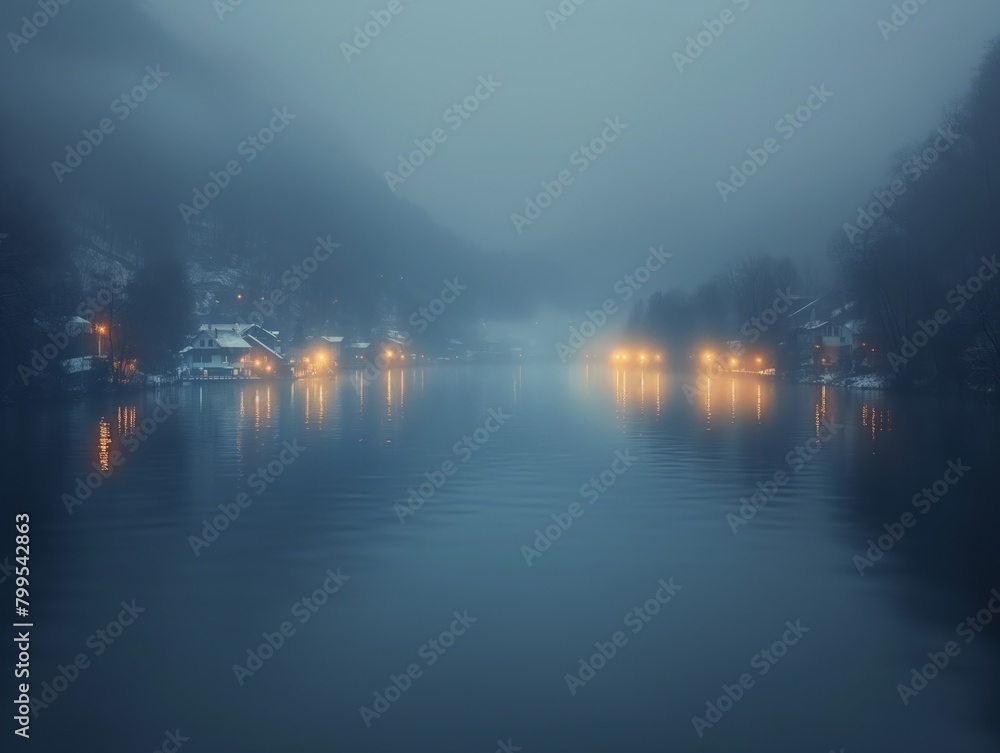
[504, 676]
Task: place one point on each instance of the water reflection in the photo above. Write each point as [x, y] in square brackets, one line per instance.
[876, 420]
[708, 405]
[644, 394]
[388, 395]
[637, 391]
[820, 409]
[126, 419]
[732, 402]
[103, 443]
[675, 501]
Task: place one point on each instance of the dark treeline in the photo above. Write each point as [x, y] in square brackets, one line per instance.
[924, 256]
[728, 307]
[915, 266]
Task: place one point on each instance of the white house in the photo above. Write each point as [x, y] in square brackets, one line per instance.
[217, 351]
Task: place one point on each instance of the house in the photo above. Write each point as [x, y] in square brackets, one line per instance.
[356, 352]
[332, 347]
[394, 347]
[267, 338]
[828, 343]
[834, 345]
[265, 349]
[218, 350]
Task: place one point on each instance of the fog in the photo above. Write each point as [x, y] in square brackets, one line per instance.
[501, 315]
[556, 81]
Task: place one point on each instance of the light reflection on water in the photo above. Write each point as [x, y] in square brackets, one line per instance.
[666, 516]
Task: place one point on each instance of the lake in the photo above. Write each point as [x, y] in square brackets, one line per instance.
[548, 558]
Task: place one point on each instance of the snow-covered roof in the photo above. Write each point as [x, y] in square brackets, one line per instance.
[76, 365]
[359, 346]
[254, 341]
[857, 326]
[244, 328]
[333, 339]
[225, 335]
[842, 309]
[230, 340]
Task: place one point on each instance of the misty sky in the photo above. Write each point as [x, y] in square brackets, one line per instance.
[656, 184]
